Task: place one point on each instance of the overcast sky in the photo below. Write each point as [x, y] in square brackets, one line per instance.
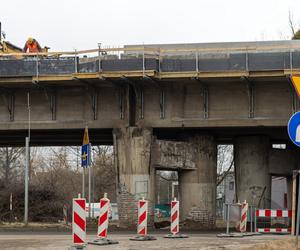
[81, 24]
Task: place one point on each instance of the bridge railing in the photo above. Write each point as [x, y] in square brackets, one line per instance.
[145, 59]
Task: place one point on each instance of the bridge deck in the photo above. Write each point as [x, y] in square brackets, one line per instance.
[198, 62]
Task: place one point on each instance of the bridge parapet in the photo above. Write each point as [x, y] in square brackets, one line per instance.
[156, 62]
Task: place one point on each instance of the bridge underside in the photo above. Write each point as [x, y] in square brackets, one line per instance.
[73, 137]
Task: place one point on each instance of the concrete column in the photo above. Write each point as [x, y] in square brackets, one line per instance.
[135, 178]
[253, 181]
[198, 187]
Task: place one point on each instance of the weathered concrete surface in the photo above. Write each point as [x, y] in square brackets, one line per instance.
[135, 176]
[172, 155]
[253, 180]
[282, 161]
[198, 187]
[105, 105]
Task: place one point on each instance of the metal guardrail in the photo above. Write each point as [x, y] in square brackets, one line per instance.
[143, 59]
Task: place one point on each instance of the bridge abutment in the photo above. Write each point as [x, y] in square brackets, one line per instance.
[135, 177]
[198, 187]
[253, 181]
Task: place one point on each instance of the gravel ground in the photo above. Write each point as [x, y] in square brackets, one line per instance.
[47, 241]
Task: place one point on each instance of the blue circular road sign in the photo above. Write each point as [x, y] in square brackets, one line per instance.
[294, 129]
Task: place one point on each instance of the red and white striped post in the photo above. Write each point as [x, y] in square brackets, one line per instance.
[79, 221]
[103, 217]
[142, 229]
[103, 223]
[174, 227]
[65, 214]
[174, 216]
[243, 222]
[142, 217]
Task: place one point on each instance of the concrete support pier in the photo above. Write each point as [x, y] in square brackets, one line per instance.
[198, 187]
[135, 178]
[253, 181]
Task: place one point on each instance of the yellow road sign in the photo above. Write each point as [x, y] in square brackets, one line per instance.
[86, 139]
[296, 82]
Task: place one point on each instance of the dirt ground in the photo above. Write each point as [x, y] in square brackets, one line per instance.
[286, 244]
[209, 241]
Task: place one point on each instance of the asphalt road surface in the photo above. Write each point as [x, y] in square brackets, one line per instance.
[208, 241]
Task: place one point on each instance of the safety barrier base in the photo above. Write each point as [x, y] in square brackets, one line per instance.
[143, 238]
[103, 241]
[77, 247]
[231, 235]
[175, 236]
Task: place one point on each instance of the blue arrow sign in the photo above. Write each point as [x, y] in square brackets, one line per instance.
[294, 129]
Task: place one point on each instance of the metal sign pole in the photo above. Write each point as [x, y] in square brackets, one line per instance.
[255, 220]
[83, 182]
[251, 219]
[26, 180]
[90, 176]
[228, 220]
[90, 192]
[298, 213]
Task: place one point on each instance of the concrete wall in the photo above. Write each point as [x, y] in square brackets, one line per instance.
[228, 104]
[252, 170]
[172, 155]
[187, 103]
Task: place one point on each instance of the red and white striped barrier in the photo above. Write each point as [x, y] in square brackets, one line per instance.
[103, 224]
[65, 214]
[244, 213]
[174, 216]
[142, 222]
[79, 221]
[174, 227]
[273, 213]
[273, 230]
[142, 217]
[103, 217]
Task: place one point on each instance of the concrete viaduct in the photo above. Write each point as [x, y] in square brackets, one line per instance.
[164, 107]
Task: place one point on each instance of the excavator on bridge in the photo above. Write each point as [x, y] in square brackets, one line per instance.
[7, 47]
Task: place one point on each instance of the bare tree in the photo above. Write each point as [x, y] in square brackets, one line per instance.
[10, 163]
[225, 162]
[291, 23]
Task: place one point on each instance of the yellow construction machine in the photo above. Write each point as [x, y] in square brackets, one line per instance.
[8, 48]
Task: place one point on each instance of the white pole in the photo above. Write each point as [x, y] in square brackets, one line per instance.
[26, 180]
[90, 192]
[298, 213]
[90, 176]
[83, 182]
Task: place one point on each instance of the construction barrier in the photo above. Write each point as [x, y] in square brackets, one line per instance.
[268, 214]
[174, 226]
[142, 233]
[240, 214]
[244, 217]
[79, 223]
[65, 214]
[103, 223]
